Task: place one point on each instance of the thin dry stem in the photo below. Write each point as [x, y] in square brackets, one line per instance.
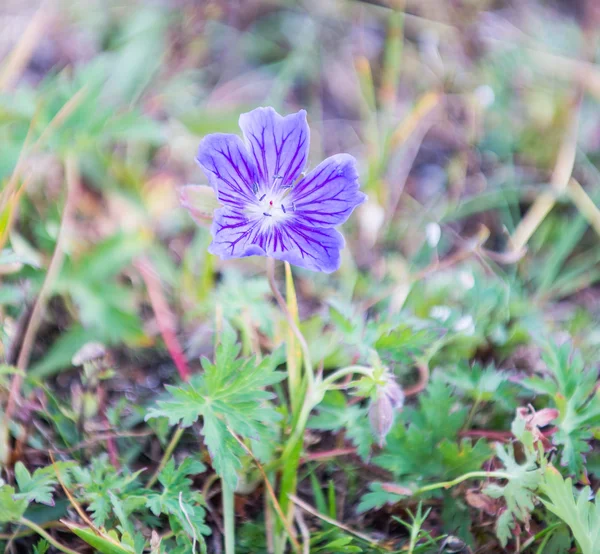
[271, 492]
[308, 508]
[304, 531]
[21, 53]
[585, 204]
[559, 182]
[72, 182]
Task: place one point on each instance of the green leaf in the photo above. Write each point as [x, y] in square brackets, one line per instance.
[378, 497]
[480, 383]
[11, 507]
[522, 482]
[581, 515]
[334, 414]
[106, 543]
[177, 499]
[100, 479]
[572, 390]
[41, 547]
[62, 350]
[230, 394]
[424, 442]
[37, 487]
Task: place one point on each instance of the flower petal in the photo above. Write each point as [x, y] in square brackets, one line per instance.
[230, 169]
[329, 193]
[279, 145]
[237, 235]
[313, 248]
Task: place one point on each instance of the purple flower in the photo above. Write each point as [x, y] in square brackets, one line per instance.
[269, 207]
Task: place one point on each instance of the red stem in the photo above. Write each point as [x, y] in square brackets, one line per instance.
[164, 316]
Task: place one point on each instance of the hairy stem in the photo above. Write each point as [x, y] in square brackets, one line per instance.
[465, 477]
[340, 373]
[227, 495]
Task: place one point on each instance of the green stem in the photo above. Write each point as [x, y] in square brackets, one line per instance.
[351, 369]
[299, 427]
[42, 533]
[228, 517]
[308, 368]
[471, 475]
[312, 399]
[166, 456]
[295, 390]
[472, 413]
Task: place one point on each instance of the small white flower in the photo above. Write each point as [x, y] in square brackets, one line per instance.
[485, 96]
[466, 279]
[441, 313]
[465, 324]
[371, 218]
[433, 232]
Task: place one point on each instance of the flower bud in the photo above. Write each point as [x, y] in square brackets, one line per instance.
[388, 399]
[200, 201]
[89, 352]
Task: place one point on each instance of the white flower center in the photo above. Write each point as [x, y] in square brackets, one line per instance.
[272, 207]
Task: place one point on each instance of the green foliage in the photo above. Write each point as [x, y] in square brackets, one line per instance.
[103, 303]
[424, 442]
[105, 543]
[11, 508]
[37, 487]
[572, 390]
[335, 414]
[415, 527]
[522, 482]
[378, 496]
[99, 481]
[229, 395]
[430, 277]
[574, 508]
[481, 384]
[32, 488]
[177, 500]
[41, 547]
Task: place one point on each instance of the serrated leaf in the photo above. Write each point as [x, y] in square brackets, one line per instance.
[37, 487]
[11, 508]
[378, 497]
[177, 498]
[572, 389]
[41, 547]
[522, 481]
[229, 395]
[413, 445]
[581, 515]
